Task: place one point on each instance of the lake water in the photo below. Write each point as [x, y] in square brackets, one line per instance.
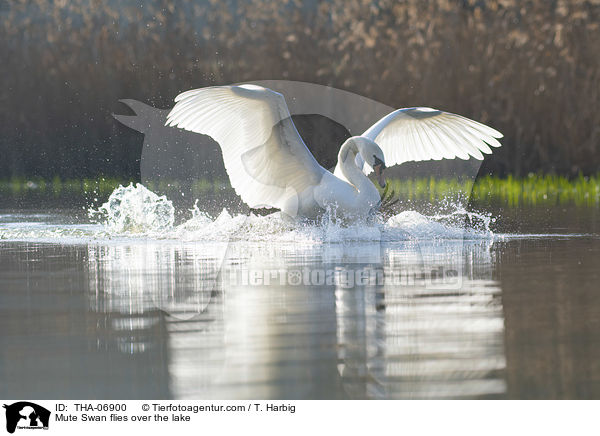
[258, 308]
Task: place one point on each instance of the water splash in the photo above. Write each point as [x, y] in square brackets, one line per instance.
[135, 209]
[135, 212]
[453, 225]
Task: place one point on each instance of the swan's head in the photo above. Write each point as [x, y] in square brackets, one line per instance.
[373, 155]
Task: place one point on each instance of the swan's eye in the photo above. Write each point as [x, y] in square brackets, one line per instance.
[378, 162]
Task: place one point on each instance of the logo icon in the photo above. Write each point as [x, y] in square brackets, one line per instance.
[26, 415]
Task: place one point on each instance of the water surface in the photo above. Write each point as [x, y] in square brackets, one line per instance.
[312, 313]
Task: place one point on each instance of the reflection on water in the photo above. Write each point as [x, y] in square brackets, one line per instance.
[138, 319]
[415, 341]
[177, 278]
[415, 345]
[394, 331]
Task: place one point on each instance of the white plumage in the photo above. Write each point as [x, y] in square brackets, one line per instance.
[270, 166]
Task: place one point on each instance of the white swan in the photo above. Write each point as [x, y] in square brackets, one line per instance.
[270, 166]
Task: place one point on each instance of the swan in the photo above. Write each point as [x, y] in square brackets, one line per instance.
[269, 166]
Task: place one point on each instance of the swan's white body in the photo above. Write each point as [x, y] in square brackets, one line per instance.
[270, 166]
[352, 195]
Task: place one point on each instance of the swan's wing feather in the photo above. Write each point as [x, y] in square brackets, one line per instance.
[265, 157]
[420, 133]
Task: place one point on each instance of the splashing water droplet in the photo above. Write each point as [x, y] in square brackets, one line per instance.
[135, 209]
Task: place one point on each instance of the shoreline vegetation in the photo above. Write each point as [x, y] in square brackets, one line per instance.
[531, 190]
[530, 69]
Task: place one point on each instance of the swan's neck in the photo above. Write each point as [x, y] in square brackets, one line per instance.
[367, 197]
[347, 165]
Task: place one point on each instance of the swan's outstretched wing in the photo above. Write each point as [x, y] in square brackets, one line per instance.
[267, 162]
[422, 133]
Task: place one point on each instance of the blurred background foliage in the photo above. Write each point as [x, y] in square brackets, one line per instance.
[529, 68]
